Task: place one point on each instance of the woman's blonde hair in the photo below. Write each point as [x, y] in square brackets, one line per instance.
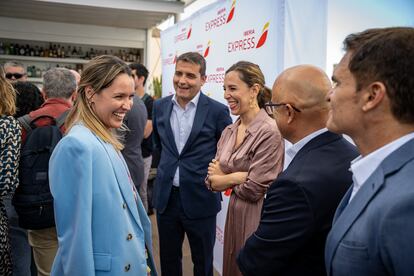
[98, 74]
[7, 96]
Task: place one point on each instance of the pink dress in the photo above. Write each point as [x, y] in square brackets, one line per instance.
[261, 155]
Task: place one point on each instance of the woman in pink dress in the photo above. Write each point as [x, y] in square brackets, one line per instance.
[249, 157]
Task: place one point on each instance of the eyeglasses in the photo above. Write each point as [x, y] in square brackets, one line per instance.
[271, 107]
[15, 75]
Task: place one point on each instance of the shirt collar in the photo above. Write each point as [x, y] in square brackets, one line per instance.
[194, 101]
[295, 148]
[254, 125]
[363, 166]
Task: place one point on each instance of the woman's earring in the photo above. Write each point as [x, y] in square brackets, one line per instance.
[251, 104]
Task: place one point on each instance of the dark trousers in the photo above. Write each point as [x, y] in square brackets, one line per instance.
[201, 234]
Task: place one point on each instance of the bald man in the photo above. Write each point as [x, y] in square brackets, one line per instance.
[300, 204]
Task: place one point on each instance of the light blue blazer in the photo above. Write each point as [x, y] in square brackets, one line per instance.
[101, 229]
[374, 233]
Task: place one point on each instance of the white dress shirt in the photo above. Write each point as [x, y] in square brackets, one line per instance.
[363, 167]
[181, 121]
[291, 151]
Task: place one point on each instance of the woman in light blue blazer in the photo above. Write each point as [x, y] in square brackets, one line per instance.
[102, 226]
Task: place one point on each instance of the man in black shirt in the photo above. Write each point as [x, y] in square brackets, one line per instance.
[140, 75]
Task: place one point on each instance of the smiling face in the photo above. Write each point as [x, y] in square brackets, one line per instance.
[238, 94]
[187, 81]
[345, 108]
[113, 102]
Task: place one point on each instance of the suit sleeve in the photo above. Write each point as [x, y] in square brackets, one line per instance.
[397, 237]
[70, 174]
[286, 224]
[265, 165]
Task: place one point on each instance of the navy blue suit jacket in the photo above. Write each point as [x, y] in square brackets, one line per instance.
[210, 119]
[298, 211]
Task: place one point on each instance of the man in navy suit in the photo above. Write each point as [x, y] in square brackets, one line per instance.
[187, 127]
[373, 102]
[300, 204]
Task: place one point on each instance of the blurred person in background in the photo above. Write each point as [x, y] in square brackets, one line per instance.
[28, 97]
[15, 71]
[140, 75]
[10, 138]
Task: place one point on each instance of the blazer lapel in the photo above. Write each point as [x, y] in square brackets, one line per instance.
[168, 129]
[199, 119]
[120, 171]
[318, 141]
[367, 192]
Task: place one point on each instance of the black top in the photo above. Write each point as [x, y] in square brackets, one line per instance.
[146, 144]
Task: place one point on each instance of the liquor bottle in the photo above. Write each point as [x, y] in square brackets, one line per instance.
[80, 52]
[50, 50]
[21, 50]
[58, 51]
[32, 52]
[74, 52]
[2, 50]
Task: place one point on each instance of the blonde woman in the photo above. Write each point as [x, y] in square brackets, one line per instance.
[102, 227]
[10, 141]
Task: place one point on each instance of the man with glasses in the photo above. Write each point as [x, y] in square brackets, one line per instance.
[300, 204]
[15, 71]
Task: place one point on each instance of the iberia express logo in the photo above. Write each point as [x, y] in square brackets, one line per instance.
[231, 13]
[170, 59]
[263, 37]
[207, 51]
[183, 34]
[221, 18]
[249, 40]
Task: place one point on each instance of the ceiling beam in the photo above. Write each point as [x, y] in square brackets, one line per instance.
[131, 5]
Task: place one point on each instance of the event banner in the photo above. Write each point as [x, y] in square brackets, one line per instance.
[226, 32]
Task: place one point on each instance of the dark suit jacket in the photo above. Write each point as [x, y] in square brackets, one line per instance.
[135, 120]
[298, 211]
[374, 233]
[210, 119]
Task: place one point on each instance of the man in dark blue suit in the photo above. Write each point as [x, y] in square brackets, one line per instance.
[300, 204]
[187, 127]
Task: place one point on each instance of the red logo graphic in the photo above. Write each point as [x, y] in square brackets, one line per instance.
[263, 37]
[170, 59]
[207, 49]
[184, 34]
[231, 14]
[189, 32]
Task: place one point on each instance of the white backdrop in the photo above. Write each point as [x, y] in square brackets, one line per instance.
[271, 33]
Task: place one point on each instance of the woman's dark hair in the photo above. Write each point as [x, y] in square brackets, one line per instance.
[28, 97]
